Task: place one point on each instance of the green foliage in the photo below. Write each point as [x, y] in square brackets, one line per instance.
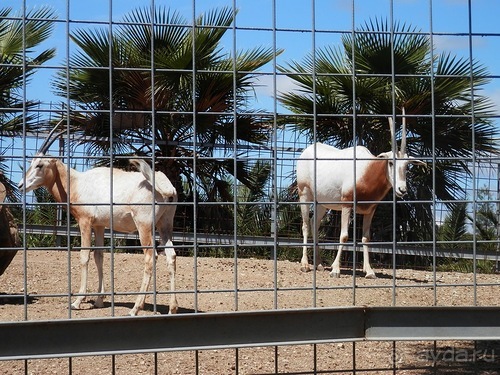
[465, 265]
[254, 210]
[486, 218]
[20, 58]
[453, 234]
[20, 38]
[454, 228]
[45, 213]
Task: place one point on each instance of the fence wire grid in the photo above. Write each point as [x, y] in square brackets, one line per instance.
[222, 98]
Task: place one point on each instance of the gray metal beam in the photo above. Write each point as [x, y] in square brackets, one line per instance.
[432, 323]
[79, 337]
[228, 240]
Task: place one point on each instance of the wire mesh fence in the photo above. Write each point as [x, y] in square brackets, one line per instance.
[222, 99]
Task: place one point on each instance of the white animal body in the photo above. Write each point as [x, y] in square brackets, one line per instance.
[90, 196]
[325, 176]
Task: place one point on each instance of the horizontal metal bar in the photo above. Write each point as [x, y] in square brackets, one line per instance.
[228, 239]
[77, 337]
[432, 323]
[121, 335]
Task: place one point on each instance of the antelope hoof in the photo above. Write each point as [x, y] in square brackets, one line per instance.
[320, 267]
[75, 306]
[99, 303]
[305, 268]
[335, 274]
[173, 310]
[370, 275]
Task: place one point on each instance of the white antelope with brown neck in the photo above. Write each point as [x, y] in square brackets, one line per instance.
[90, 199]
[325, 176]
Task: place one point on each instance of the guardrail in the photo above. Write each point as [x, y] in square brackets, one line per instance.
[230, 240]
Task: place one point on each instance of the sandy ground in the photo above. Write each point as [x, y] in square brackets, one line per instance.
[248, 284]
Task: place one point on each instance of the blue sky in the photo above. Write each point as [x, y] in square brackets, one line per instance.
[294, 20]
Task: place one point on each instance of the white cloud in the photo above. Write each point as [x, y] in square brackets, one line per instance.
[264, 85]
[456, 43]
[266, 94]
[450, 43]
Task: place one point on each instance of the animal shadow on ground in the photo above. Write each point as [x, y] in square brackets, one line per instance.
[9, 299]
[380, 275]
[149, 307]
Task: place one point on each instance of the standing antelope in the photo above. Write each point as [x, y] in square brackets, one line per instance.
[325, 175]
[90, 199]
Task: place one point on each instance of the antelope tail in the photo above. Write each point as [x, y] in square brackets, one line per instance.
[147, 172]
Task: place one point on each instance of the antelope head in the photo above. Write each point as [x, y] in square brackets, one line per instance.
[398, 160]
[41, 170]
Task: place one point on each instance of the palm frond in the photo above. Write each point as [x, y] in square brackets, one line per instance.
[454, 226]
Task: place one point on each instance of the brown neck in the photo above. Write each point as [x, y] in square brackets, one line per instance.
[375, 184]
[58, 187]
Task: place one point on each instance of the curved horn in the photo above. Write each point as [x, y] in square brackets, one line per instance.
[48, 141]
[393, 138]
[403, 134]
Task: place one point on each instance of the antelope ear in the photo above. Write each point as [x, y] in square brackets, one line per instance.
[385, 155]
[416, 161]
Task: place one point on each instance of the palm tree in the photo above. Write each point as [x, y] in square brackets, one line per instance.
[359, 85]
[453, 230]
[175, 94]
[486, 220]
[19, 36]
[453, 234]
[253, 214]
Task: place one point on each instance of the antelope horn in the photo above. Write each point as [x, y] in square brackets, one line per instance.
[48, 141]
[403, 133]
[391, 127]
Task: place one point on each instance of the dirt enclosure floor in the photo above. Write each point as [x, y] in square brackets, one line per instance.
[47, 286]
